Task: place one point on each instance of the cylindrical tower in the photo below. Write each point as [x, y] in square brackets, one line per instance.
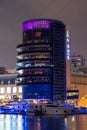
[41, 60]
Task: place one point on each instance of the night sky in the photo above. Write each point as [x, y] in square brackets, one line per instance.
[14, 12]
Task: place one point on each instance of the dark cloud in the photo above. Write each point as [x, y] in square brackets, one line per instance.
[14, 12]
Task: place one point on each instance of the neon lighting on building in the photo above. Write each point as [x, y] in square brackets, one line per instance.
[35, 24]
[68, 44]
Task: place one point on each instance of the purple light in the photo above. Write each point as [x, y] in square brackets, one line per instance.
[35, 24]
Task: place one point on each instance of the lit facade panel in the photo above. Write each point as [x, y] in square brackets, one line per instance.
[42, 60]
[38, 91]
[77, 61]
[30, 25]
[8, 87]
[72, 94]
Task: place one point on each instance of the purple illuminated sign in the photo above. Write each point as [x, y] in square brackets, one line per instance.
[35, 24]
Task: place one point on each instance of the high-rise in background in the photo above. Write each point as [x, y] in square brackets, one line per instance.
[41, 60]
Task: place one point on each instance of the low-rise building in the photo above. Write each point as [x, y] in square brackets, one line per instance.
[8, 88]
[79, 82]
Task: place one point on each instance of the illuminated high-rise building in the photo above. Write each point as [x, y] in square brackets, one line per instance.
[41, 60]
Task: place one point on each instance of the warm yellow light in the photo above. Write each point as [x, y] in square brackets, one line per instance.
[35, 101]
[83, 101]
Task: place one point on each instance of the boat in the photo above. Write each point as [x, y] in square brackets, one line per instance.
[83, 109]
[48, 109]
[35, 109]
[52, 109]
[77, 110]
[14, 108]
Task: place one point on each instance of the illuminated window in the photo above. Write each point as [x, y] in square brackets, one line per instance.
[36, 41]
[30, 41]
[68, 57]
[20, 71]
[20, 95]
[8, 97]
[2, 97]
[2, 90]
[67, 39]
[68, 51]
[14, 89]
[68, 46]
[2, 82]
[37, 34]
[8, 89]
[20, 89]
[25, 57]
[8, 81]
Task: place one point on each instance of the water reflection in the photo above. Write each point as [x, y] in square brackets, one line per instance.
[19, 122]
[77, 122]
[11, 122]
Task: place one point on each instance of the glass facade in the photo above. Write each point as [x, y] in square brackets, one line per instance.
[41, 60]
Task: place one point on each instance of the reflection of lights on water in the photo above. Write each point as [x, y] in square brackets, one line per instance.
[14, 117]
[19, 124]
[8, 128]
[55, 117]
[65, 121]
[8, 116]
[1, 116]
[1, 123]
[19, 118]
[38, 119]
[8, 123]
[73, 119]
[38, 123]
[12, 122]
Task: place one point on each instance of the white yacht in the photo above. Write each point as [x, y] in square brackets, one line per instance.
[51, 109]
[48, 109]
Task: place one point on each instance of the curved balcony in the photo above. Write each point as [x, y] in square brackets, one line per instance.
[35, 67]
[33, 59]
[32, 51]
[31, 45]
[28, 80]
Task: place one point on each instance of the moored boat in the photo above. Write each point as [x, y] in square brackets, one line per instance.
[14, 108]
[77, 110]
[48, 109]
[51, 109]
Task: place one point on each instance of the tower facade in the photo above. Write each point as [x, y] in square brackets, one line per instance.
[41, 60]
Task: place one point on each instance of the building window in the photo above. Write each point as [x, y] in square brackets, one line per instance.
[8, 89]
[2, 90]
[9, 97]
[14, 89]
[8, 81]
[2, 82]
[2, 97]
[20, 89]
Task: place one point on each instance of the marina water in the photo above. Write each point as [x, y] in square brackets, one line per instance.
[23, 122]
